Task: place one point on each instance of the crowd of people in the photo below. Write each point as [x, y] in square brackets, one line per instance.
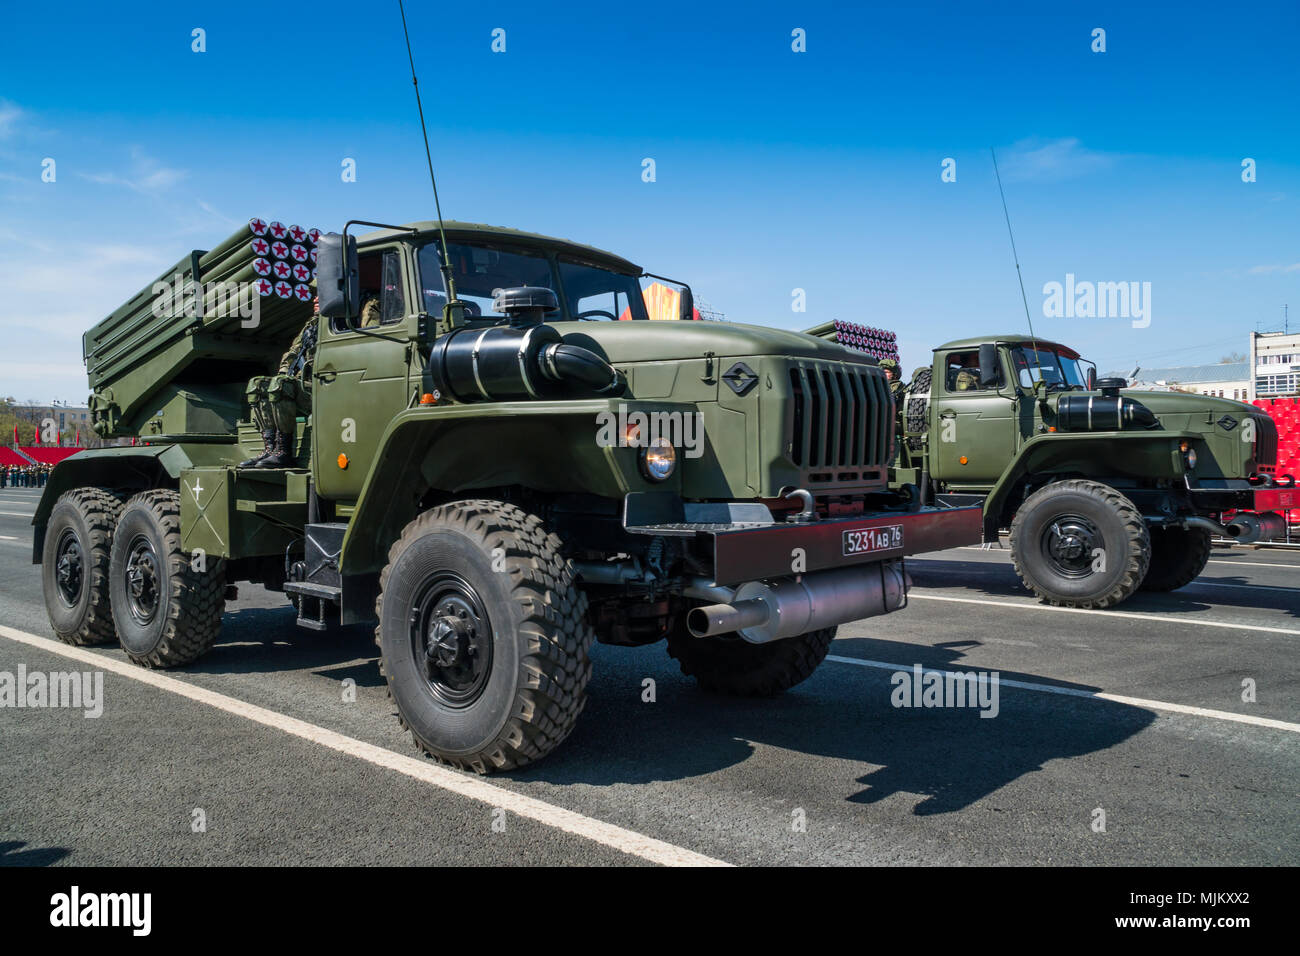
[24, 476]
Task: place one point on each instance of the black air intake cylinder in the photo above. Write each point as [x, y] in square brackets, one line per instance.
[501, 363]
[1104, 413]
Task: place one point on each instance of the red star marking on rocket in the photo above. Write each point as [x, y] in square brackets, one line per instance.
[261, 267]
[258, 227]
[282, 289]
[313, 255]
[299, 253]
[298, 233]
[314, 233]
[282, 269]
[260, 246]
[264, 287]
[302, 292]
[278, 230]
[301, 273]
[280, 250]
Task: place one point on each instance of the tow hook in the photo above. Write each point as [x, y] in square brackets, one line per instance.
[808, 513]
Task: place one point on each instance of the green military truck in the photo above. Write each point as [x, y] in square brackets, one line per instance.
[495, 479]
[1105, 490]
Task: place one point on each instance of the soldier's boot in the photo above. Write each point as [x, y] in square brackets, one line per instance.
[268, 446]
[281, 455]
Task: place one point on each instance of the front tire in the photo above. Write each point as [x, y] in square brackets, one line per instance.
[483, 636]
[1178, 556]
[1080, 544]
[75, 566]
[167, 611]
[730, 665]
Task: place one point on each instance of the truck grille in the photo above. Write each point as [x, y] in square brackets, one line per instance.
[1265, 442]
[843, 417]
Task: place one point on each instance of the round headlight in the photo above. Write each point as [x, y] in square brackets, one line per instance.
[1190, 455]
[658, 459]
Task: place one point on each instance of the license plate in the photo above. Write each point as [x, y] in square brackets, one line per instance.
[867, 540]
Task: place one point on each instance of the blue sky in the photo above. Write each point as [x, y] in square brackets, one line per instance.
[775, 170]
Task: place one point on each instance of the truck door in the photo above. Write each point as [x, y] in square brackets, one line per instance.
[973, 431]
[359, 381]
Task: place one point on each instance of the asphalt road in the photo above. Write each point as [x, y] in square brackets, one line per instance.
[261, 737]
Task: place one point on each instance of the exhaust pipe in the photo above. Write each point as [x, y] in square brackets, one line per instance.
[764, 612]
[1248, 528]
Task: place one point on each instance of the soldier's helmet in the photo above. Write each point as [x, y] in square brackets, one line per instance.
[888, 364]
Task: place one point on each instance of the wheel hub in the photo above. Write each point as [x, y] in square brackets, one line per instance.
[142, 577]
[451, 639]
[68, 568]
[1069, 543]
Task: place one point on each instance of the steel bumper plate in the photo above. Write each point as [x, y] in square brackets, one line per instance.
[751, 551]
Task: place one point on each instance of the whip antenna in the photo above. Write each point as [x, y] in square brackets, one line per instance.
[1015, 255]
[445, 265]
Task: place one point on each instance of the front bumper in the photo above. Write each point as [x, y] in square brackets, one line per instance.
[1238, 494]
[747, 545]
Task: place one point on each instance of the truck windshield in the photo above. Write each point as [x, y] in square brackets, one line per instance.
[479, 270]
[1049, 366]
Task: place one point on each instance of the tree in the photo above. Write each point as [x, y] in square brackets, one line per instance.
[1232, 357]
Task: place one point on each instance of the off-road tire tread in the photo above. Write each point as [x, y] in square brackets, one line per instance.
[736, 668]
[99, 508]
[1174, 565]
[557, 664]
[1137, 551]
[198, 598]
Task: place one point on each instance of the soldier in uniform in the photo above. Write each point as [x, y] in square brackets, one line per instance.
[966, 380]
[899, 391]
[277, 400]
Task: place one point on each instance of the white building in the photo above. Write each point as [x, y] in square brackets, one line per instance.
[1275, 360]
[1224, 380]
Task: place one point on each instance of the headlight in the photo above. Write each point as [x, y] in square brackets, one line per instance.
[658, 459]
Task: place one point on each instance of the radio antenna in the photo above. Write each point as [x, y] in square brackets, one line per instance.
[1014, 254]
[445, 265]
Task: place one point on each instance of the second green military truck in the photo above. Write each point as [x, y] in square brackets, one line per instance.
[1105, 490]
[513, 460]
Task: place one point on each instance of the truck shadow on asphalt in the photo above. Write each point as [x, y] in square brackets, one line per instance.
[948, 757]
[265, 640]
[13, 854]
[978, 578]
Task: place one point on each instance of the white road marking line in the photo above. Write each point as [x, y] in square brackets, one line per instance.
[1198, 583]
[606, 834]
[1154, 618]
[19, 514]
[1254, 564]
[1095, 695]
[1241, 564]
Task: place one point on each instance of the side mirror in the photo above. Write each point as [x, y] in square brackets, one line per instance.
[338, 282]
[1092, 379]
[686, 306]
[989, 367]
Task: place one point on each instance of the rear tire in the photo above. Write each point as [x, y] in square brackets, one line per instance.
[167, 613]
[75, 566]
[916, 414]
[1080, 543]
[1178, 556]
[483, 636]
[728, 664]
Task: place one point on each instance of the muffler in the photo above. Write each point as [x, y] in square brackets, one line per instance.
[764, 612]
[1247, 528]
